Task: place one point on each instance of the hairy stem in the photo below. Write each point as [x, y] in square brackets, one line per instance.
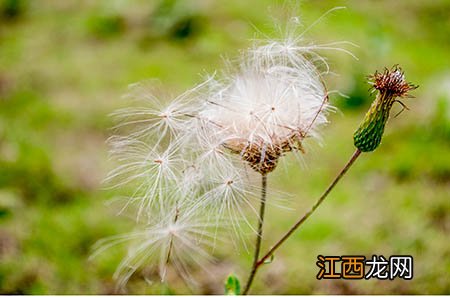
[304, 217]
[259, 236]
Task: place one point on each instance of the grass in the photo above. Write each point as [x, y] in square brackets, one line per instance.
[64, 66]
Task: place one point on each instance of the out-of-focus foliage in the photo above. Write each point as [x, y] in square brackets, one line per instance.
[65, 64]
[232, 285]
[12, 9]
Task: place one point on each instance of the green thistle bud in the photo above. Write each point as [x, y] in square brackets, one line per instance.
[390, 84]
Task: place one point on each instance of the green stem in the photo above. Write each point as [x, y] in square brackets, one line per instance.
[259, 236]
[305, 217]
[177, 213]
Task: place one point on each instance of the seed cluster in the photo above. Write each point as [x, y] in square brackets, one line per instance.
[186, 160]
[263, 157]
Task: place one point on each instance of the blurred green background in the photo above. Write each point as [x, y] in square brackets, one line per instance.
[65, 64]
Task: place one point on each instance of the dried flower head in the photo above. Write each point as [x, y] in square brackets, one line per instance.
[192, 154]
[269, 106]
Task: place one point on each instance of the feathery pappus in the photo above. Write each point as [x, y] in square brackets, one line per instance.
[198, 153]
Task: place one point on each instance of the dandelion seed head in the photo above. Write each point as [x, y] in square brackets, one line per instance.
[276, 99]
[190, 160]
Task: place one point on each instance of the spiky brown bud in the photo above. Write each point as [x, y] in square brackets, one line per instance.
[390, 84]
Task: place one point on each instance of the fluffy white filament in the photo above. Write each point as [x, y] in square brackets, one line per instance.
[187, 159]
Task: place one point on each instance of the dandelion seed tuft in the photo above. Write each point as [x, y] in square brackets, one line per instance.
[195, 156]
